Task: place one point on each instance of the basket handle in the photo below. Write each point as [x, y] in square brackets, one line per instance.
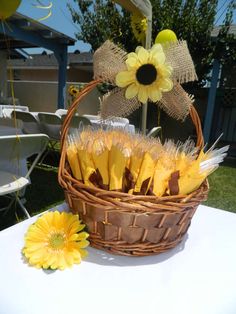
[197, 123]
[65, 126]
[72, 109]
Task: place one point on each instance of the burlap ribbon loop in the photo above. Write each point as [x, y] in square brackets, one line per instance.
[176, 103]
[178, 56]
[109, 60]
[111, 104]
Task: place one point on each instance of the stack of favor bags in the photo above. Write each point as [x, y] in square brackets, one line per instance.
[118, 161]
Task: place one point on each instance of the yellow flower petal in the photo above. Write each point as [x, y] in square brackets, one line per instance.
[132, 55]
[69, 260]
[75, 227]
[143, 55]
[83, 235]
[165, 70]
[166, 85]
[83, 252]
[56, 220]
[51, 259]
[124, 78]
[131, 91]
[156, 49]
[143, 94]
[73, 237]
[42, 225]
[35, 235]
[155, 94]
[33, 246]
[82, 244]
[80, 227]
[132, 60]
[77, 256]
[153, 51]
[61, 261]
[131, 63]
[137, 50]
[158, 58]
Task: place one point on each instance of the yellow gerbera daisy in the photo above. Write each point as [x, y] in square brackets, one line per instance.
[147, 74]
[55, 241]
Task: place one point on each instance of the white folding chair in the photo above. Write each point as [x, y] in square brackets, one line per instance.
[10, 126]
[6, 112]
[14, 150]
[60, 112]
[30, 123]
[50, 125]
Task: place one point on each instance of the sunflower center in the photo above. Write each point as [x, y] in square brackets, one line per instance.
[57, 241]
[146, 74]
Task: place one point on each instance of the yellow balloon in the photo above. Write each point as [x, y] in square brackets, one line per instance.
[8, 7]
[167, 35]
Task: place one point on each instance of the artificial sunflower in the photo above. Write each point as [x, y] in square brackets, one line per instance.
[155, 74]
[147, 75]
[73, 91]
[139, 26]
[55, 241]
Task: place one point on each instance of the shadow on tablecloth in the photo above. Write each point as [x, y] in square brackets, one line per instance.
[103, 258]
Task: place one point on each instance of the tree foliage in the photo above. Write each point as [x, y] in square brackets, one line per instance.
[192, 20]
[101, 20]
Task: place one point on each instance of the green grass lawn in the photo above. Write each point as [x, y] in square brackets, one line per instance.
[223, 189]
[45, 192]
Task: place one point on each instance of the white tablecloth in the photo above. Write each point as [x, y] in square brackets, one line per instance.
[197, 277]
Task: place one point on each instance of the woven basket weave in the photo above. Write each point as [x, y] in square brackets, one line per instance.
[134, 225]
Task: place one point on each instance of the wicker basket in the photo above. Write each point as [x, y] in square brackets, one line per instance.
[124, 224]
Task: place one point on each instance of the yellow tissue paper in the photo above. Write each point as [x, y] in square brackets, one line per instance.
[145, 174]
[117, 163]
[160, 179]
[87, 166]
[100, 157]
[134, 167]
[182, 163]
[74, 162]
[191, 179]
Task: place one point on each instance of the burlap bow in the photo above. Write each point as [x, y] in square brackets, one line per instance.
[109, 60]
